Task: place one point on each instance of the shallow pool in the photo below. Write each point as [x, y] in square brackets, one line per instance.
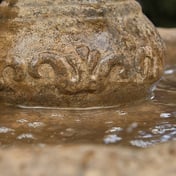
[141, 124]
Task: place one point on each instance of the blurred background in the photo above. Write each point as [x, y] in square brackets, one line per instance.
[161, 12]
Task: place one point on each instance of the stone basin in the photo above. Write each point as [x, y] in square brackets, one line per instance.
[28, 158]
[21, 154]
[169, 36]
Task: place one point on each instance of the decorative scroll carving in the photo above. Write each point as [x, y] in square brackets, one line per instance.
[84, 71]
[18, 69]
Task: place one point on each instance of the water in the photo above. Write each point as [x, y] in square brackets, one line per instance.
[141, 124]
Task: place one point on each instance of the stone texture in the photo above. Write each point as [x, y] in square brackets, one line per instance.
[76, 53]
[89, 161]
[169, 36]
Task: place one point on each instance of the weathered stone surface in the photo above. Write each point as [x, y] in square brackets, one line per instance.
[169, 36]
[89, 161]
[76, 53]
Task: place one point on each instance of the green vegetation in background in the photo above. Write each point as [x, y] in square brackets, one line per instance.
[161, 12]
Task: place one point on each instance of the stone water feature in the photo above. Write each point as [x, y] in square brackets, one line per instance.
[77, 53]
[75, 89]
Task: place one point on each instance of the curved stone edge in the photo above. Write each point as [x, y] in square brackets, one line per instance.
[88, 160]
[169, 36]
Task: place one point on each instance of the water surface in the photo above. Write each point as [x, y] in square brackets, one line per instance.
[141, 124]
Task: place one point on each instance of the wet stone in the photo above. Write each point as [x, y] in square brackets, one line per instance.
[76, 58]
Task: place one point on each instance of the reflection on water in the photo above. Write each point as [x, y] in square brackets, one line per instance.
[25, 136]
[141, 124]
[5, 130]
